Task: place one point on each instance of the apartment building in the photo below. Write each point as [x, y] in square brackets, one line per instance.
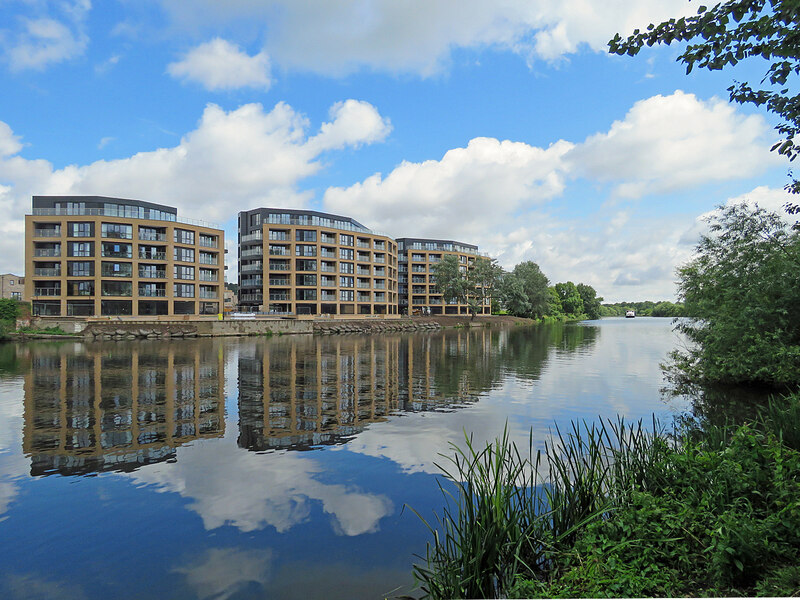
[301, 262]
[94, 255]
[12, 286]
[417, 290]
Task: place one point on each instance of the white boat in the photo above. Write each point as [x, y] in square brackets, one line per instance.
[630, 314]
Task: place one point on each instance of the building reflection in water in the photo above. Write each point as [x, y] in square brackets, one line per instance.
[99, 407]
[302, 392]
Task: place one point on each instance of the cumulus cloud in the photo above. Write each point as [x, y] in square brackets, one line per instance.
[232, 161]
[222, 572]
[251, 491]
[666, 143]
[221, 65]
[339, 37]
[54, 33]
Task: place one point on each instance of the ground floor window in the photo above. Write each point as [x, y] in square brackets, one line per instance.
[209, 308]
[116, 307]
[183, 307]
[46, 309]
[80, 308]
[153, 307]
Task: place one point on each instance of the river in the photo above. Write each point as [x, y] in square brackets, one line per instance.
[235, 468]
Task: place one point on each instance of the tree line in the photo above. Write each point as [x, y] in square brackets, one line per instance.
[522, 292]
[647, 308]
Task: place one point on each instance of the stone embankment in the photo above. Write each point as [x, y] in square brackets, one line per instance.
[139, 332]
[338, 327]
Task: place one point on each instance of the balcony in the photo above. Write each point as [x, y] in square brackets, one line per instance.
[380, 260]
[279, 252]
[254, 267]
[152, 293]
[207, 243]
[278, 281]
[278, 267]
[283, 297]
[147, 236]
[363, 286]
[379, 286]
[206, 295]
[256, 236]
[47, 252]
[113, 273]
[50, 291]
[327, 253]
[152, 274]
[252, 282]
[363, 298]
[326, 296]
[43, 272]
[328, 269]
[257, 251]
[361, 271]
[208, 276]
[208, 260]
[47, 232]
[252, 298]
[153, 255]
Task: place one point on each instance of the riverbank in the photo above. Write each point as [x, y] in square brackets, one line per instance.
[95, 330]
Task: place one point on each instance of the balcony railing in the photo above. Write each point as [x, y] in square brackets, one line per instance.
[47, 252]
[208, 295]
[363, 298]
[120, 235]
[47, 232]
[253, 237]
[278, 267]
[279, 296]
[327, 269]
[152, 274]
[363, 286]
[257, 251]
[253, 267]
[43, 272]
[208, 243]
[208, 277]
[153, 255]
[151, 293]
[254, 282]
[101, 212]
[47, 291]
[328, 296]
[252, 298]
[208, 260]
[279, 252]
[278, 281]
[152, 237]
[111, 273]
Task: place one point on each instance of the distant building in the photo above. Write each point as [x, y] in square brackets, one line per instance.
[230, 300]
[12, 286]
[92, 255]
[418, 291]
[303, 262]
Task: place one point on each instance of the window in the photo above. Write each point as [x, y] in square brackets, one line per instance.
[183, 236]
[80, 229]
[328, 238]
[115, 269]
[345, 240]
[80, 288]
[305, 235]
[116, 250]
[345, 267]
[305, 265]
[346, 282]
[80, 249]
[184, 290]
[152, 234]
[346, 254]
[306, 280]
[306, 294]
[115, 230]
[255, 220]
[183, 272]
[183, 254]
[305, 250]
[209, 241]
[80, 268]
[116, 288]
[346, 295]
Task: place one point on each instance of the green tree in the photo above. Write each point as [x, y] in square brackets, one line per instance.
[571, 300]
[591, 302]
[554, 308]
[742, 293]
[453, 283]
[484, 278]
[524, 291]
[732, 32]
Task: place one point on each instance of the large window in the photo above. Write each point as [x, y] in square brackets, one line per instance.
[184, 290]
[116, 250]
[305, 235]
[116, 288]
[183, 272]
[116, 230]
[346, 254]
[345, 267]
[346, 282]
[345, 240]
[80, 288]
[183, 236]
[346, 295]
[80, 268]
[115, 269]
[183, 254]
[305, 250]
[80, 248]
[305, 265]
[80, 229]
[306, 280]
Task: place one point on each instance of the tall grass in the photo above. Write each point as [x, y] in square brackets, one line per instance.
[508, 513]
[612, 492]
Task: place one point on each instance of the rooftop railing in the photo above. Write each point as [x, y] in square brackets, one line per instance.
[101, 212]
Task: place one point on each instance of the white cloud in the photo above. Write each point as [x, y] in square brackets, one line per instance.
[339, 37]
[221, 65]
[666, 143]
[222, 572]
[230, 486]
[43, 39]
[231, 161]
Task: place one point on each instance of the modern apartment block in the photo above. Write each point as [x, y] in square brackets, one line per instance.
[98, 256]
[12, 287]
[302, 262]
[417, 290]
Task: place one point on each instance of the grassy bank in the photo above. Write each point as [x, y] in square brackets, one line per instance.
[621, 510]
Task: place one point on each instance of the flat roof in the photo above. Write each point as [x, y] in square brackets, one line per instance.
[50, 202]
[311, 213]
[435, 241]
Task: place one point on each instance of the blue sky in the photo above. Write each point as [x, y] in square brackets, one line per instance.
[502, 124]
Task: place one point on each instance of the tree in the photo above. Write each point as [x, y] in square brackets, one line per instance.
[591, 303]
[554, 308]
[484, 277]
[742, 293]
[452, 282]
[734, 31]
[571, 300]
[524, 291]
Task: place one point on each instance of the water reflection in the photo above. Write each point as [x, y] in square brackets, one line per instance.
[93, 408]
[302, 392]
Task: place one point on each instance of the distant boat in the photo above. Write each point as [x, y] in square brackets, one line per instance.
[630, 314]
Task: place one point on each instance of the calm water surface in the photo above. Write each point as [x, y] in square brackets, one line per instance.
[275, 468]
